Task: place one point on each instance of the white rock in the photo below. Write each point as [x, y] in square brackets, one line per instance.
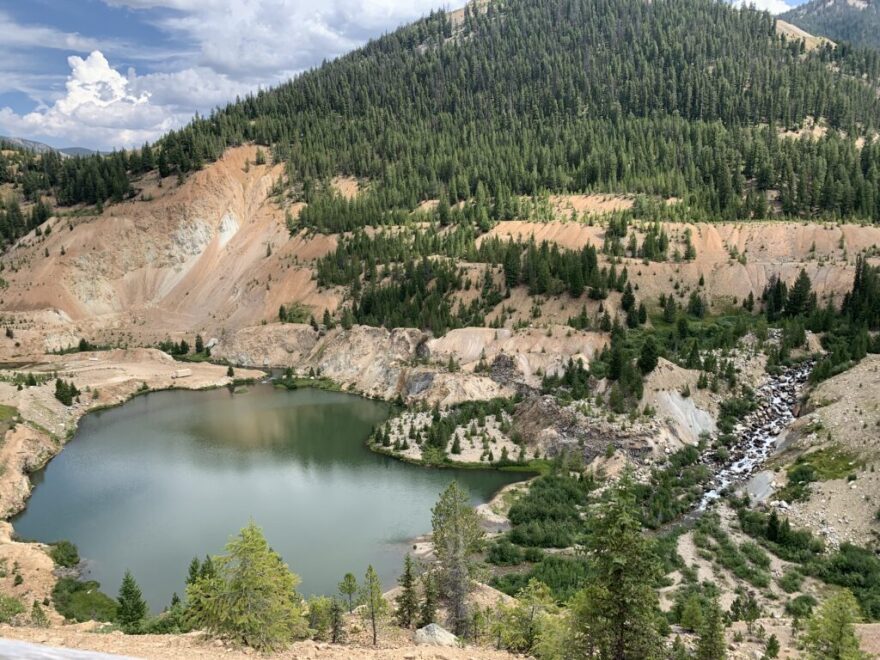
[435, 635]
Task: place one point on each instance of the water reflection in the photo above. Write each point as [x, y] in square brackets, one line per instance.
[172, 474]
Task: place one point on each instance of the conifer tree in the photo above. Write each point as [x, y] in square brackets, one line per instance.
[251, 597]
[132, 607]
[375, 605]
[711, 644]
[349, 589]
[408, 601]
[428, 609]
[831, 633]
[616, 615]
[336, 622]
[456, 536]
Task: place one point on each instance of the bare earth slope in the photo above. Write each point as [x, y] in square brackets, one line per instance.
[213, 255]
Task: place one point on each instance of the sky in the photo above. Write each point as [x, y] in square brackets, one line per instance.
[107, 74]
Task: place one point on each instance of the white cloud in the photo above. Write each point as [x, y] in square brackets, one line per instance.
[18, 35]
[271, 40]
[101, 107]
[773, 6]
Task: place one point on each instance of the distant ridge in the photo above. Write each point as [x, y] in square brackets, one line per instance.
[855, 21]
[41, 148]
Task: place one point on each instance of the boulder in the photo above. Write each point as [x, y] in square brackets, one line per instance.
[435, 635]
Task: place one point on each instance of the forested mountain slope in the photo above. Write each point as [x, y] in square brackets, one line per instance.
[570, 95]
[854, 21]
[522, 96]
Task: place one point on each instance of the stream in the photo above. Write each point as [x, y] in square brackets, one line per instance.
[759, 432]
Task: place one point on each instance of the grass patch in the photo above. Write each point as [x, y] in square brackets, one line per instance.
[316, 382]
[832, 462]
[8, 413]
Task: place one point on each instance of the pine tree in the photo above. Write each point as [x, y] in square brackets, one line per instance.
[711, 644]
[616, 615]
[375, 605]
[831, 633]
[349, 588]
[408, 601]
[428, 610]
[337, 631]
[251, 598]
[132, 607]
[648, 356]
[456, 536]
[800, 300]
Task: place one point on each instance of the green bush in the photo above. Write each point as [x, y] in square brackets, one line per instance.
[857, 569]
[64, 553]
[82, 601]
[798, 545]
[755, 554]
[9, 608]
[171, 622]
[549, 514]
[504, 553]
[563, 575]
[791, 581]
[801, 606]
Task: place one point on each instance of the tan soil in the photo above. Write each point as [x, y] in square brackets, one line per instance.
[347, 186]
[770, 248]
[590, 204]
[810, 41]
[32, 562]
[179, 258]
[194, 645]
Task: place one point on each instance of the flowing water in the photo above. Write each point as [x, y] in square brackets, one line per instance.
[169, 475]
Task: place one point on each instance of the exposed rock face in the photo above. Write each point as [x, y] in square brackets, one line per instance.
[375, 361]
[434, 635]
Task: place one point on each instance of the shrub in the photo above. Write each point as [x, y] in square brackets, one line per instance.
[791, 581]
[504, 553]
[64, 553]
[82, 601]
[563, 575]
[801, 606]
[857, 569]
[10, 607]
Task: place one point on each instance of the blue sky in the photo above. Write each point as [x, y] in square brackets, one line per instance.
[116, 73]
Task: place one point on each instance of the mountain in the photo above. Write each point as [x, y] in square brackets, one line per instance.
[29, 145]
[853, 21]
[79, 151]
[41, 148]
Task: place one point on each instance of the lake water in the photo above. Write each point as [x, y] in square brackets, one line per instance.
[171, 475]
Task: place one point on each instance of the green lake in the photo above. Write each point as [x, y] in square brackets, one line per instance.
[171, 475]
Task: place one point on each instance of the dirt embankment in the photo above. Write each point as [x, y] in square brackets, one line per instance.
[734, 259]
[408, 362]
[214, 255]
[213, 251]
